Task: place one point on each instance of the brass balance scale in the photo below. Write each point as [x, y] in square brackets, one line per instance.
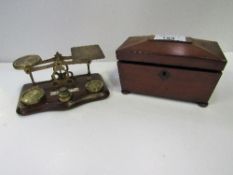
[65, 90]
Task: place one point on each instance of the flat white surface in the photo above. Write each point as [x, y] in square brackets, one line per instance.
[122, 135]
[46, 26]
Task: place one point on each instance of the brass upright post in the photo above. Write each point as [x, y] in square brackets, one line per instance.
[31, 76]
[88, 68]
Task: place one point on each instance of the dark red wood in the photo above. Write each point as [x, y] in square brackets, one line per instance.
[181, 84]
[186, 71]
[50, 103]
[200, 54]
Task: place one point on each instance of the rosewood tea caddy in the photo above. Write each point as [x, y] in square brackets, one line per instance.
[187, 70]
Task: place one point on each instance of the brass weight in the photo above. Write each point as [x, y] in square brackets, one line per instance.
[94, 86]
[32, 95]
[64, 94]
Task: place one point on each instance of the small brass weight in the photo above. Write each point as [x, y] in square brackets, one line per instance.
[65, 90]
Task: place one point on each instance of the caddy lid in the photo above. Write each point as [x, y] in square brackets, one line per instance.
[190, 53]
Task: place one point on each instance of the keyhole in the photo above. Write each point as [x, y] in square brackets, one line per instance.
[164, 75]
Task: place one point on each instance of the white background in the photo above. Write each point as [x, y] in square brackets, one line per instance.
[122, 135]
[45, 26]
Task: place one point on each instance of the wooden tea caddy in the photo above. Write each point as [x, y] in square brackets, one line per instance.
[185, 70]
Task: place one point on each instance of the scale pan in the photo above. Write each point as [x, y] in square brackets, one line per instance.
[87, 53]
[27, 61]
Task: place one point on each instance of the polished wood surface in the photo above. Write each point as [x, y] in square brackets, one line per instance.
[180, 84]
[186, 71]
[196, 53]
[51, 102]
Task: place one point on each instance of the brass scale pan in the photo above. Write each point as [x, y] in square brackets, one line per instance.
[83, 54]
[27, 61]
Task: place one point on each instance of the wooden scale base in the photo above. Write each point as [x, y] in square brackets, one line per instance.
[79, 94]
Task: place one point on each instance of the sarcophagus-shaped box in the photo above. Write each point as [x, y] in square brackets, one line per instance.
[186, 69]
